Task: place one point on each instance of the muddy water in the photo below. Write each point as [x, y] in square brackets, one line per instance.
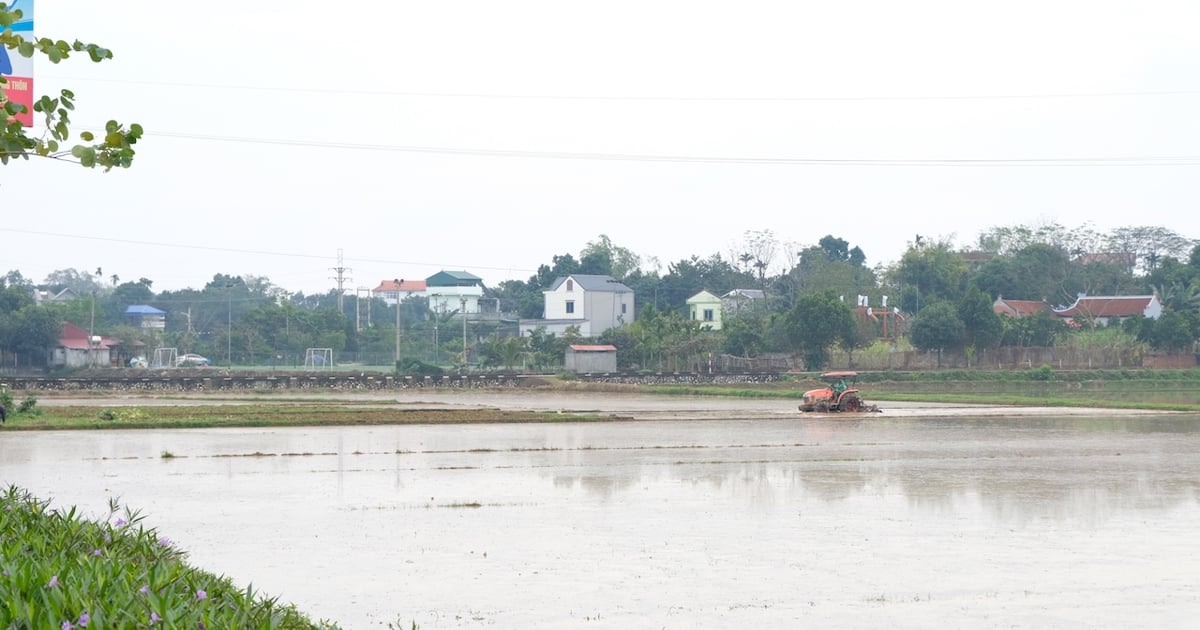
[908, 521]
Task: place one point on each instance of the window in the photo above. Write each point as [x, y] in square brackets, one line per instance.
[623, 308]
[570, 305]
[708, 314]
[570, 286]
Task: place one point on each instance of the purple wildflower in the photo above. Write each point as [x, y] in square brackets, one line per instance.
[53, 581]
[154, 618]
[201, 595]
[84, 619]
[97, 553]
[164, 541]
[120, 522]
[145, 589]
[67, 625]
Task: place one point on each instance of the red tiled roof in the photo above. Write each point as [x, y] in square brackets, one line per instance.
[76, 338]
[408, 286]
[584, 348]
[1020, 308]
[1108, 306]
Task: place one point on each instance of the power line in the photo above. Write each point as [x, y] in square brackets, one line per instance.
[1159, 161]
[650, 98]
[256, 252]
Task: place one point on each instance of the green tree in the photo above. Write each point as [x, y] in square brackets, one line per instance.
[112, 148]
[1040, 330]
[815, 323]
[938, 327]
[31, 331]
[981, 325]
[928, 272]
[1172, 332]
[621, 260]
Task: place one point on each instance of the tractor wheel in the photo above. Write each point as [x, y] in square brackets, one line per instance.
[851, 403]
[822, 407]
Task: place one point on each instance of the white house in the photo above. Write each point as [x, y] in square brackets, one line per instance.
[593, 303]
[450, 291]
[704, 308]
[447, 291]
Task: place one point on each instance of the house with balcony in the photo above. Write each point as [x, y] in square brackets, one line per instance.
[592, 303]
[450, 291]
[146, 317]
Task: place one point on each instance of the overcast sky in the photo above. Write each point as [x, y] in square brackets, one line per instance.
[490, 136]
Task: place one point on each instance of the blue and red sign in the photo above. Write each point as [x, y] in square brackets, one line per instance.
[18, 70]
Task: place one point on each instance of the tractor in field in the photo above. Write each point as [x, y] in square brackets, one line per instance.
[837, 395]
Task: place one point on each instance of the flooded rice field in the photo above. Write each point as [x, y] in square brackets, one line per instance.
[698, 514]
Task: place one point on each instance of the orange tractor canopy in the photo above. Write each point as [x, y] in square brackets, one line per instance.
[839, 395]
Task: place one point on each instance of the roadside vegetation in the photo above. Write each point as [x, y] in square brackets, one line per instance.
[61, 570]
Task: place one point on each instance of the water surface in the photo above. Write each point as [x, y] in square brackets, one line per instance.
[771, 522]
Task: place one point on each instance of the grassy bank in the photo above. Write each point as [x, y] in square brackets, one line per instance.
[1164, 390]
[260, 414]
[61, 571]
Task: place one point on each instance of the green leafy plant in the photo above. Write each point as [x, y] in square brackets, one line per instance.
[112, 148]
[63, 571]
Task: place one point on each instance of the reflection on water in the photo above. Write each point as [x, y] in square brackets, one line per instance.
[854, 523]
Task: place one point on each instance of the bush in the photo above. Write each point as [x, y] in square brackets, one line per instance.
[416, 367]
[1043, 373]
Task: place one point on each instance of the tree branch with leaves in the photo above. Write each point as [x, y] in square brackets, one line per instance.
[111, 148]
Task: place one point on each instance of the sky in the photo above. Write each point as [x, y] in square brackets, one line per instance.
[412, 137]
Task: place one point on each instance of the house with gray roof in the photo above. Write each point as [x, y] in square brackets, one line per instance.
[593, 303]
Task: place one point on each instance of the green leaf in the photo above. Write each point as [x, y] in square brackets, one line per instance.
[87, 136]
[77, 150]
[25, 48]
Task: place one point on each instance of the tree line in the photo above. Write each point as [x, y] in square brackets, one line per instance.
[945, 293]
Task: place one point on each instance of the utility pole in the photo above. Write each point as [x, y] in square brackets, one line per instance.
[463, 311]
[398, 281]
[229, 325]
[340, 277]
[92, 331]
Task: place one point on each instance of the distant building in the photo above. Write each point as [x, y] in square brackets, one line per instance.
[1019, 308]
[450, 291]
[389, 290]
[77, 349]
[1103, 310]
[742, 300]
[704, 308]
[146, 317]
[584, 359]
[45, 295]
[592, 303]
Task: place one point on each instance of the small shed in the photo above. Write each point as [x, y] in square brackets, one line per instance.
[582, 359]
